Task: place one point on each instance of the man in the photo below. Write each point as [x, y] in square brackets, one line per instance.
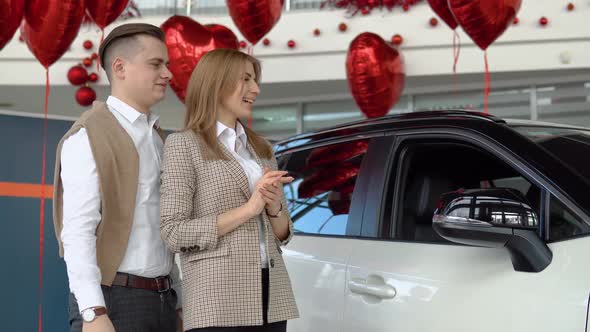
[107, 198]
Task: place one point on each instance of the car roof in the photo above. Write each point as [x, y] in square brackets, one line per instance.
[534, 123]
[370, 125]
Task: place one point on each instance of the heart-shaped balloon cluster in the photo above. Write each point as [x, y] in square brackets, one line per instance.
[483, 20]
[187, 41]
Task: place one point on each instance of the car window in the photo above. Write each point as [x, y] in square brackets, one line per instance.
[429, 169]
[563, 223]
[320, 196]
[570, 146]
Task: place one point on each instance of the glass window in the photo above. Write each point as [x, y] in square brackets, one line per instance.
[571, 146]
[306, 4]
[159, 7]
[275, 122]
[431, 169]
[566, 103]
[563, 223]
[511, 103]
[319, 199]
[332, 113]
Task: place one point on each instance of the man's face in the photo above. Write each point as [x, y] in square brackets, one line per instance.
[146, 74]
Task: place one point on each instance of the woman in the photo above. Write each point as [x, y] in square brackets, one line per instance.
[223, 207]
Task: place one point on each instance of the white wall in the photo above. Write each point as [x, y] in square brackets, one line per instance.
[427, 50]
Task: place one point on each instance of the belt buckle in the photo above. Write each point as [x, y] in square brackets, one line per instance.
[160, 281]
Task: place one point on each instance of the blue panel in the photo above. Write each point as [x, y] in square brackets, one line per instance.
[20, 149]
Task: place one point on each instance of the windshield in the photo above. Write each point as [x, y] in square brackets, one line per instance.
[571, 146]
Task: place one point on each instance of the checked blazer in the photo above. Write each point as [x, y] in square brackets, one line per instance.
[221, 283]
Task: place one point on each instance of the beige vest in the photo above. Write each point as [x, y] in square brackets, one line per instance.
[117, 165]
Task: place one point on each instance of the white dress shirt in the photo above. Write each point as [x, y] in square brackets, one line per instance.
[236, 142]
[146, 253]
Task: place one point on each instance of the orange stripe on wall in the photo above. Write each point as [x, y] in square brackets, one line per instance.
[13, 189]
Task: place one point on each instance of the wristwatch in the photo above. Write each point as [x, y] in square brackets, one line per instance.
[279, 214]
[90, 314]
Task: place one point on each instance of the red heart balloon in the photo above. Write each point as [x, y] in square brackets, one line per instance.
[327, 179]
[441, 8]
[255, 18]
[187, 41]
[484, 20]
[51, 26]
[104, 12]
[336, 154]
[224, 37]
[376, 74]
[11, 14]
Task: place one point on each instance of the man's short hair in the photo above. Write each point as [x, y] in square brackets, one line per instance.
[126, 31]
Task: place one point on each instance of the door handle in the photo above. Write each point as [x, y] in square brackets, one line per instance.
[375, 286]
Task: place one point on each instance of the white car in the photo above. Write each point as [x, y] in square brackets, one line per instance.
[439, 221]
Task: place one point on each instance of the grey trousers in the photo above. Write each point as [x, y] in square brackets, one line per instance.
[133, 310]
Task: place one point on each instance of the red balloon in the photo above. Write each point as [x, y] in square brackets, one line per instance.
[441, 8]
[187, 41]
[291, 44]
[327, 179]
[543, 21]
[397, 39]
[484, 20]
[93, 77]
[87, 44]
[335, 154]
[104, 12]
[87, 62]
[85, 96]
[339, 201]
[255, 18]
[77, 75]
[11, 14]
[51, 26]
[570, 7]
[224, 37]
[375, 73]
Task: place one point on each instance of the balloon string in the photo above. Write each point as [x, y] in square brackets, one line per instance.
[98, 61]
[456, 51]
[42, 209]
[98, 58]
[486, 91]
[251, 53]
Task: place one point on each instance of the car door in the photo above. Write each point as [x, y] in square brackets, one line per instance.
[325, 204]
[404, 277]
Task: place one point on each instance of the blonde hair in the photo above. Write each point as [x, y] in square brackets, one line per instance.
[216, 77]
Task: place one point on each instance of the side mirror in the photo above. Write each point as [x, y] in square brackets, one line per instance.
[493, 218]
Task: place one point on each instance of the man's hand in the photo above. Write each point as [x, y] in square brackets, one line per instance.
[101, 323]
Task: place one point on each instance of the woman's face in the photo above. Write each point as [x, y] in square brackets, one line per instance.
[239, 104]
